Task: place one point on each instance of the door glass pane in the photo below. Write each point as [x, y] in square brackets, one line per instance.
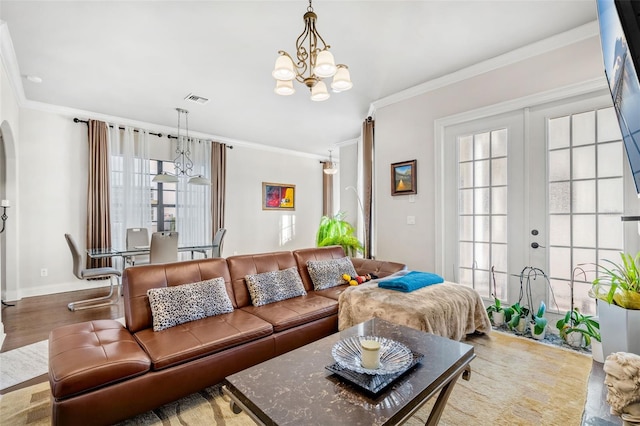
[608, 128]
[499, 171]
[499, 229]
[466, 228]
[465, 174]
[466, 201]
[583, 226]
[584, 163]
[466, 148]
[499, 200]
[559, 230]
[583, 128]
[481, 201]
[466, 276]
[559, 132]
[559, 161]
[482, 228]
[466, 255]
[481, 281]
[609, 155]
[481, 146]
[583, 197]
[560, 262]
[610, 233]
[499, 256]
[481, 173]
[499, 143]
[610, 195]
[482, 254]
[559, 197]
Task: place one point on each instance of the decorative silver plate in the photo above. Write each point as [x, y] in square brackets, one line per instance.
[394, 356]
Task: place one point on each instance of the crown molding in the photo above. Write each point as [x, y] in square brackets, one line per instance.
[549, 44]
[10, 63]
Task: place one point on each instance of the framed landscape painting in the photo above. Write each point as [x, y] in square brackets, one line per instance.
[403, 178]
[278, 196]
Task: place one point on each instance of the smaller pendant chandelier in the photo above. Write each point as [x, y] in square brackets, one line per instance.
[330, 168]
[314, 62]
[182, 163]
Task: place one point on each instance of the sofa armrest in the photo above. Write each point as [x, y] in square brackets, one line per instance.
[380, 268]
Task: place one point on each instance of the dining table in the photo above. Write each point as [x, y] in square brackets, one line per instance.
[101, 253]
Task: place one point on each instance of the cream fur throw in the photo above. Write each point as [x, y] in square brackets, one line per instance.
[448, 309]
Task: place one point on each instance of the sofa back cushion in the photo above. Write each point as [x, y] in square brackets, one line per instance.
[302, 256]
[138, 280]
[274, 286]
[329, 273]
[178, 304]
[250, 264]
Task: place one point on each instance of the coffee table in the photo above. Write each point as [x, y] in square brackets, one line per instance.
[295, 388]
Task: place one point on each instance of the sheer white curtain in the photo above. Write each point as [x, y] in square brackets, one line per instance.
[193, 204]
[130, 182]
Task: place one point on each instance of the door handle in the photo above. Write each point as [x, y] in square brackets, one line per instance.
[536, 245]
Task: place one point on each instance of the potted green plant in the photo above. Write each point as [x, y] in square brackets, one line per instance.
[518, 320]
[539, 322]
[617, 293]
[497, 313]
[336, 231]
[576, 327]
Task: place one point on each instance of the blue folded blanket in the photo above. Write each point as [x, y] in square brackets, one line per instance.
[411, 281]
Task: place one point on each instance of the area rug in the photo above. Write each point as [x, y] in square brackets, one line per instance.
[514, 381]
[21, 364]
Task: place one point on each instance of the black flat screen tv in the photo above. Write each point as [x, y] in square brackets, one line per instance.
[620, 40]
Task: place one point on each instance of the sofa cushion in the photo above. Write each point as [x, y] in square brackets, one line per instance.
[196, 339]
[294, 312]
[273, 286]
[171, 306]
[92, 354]
[328, 273]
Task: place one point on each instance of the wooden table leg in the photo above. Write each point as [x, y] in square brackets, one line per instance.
[441, 402]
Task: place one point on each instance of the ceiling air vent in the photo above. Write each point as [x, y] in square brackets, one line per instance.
[196, 99]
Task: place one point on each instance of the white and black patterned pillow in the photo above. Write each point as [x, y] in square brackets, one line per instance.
[274, 286]
[175, 305]
[328, 273]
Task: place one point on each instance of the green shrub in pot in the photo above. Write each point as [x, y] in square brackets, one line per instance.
[337, 231]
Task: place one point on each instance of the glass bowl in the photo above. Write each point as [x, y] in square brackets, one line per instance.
[394, 356]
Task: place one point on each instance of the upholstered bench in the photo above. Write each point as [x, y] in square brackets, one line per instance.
[92, 354]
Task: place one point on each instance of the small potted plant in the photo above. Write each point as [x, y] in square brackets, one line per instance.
[497, 313]
[518, 319]
[575, 328]
[539, 322]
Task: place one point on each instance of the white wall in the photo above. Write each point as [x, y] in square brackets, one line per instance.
[405, 131]
[53, 186]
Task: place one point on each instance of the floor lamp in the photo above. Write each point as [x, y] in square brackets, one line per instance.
[364, 225]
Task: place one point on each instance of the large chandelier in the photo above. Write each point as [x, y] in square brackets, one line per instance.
[314, 62]
[182, 163]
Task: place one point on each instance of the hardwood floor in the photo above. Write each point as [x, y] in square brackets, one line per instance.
[31, 320]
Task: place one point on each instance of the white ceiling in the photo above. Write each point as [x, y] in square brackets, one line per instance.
[140, 59]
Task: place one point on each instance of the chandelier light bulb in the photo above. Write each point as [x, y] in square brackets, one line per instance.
[284, 87]
[283, 69]
[319, 92]
[342, 79]
[325, 65]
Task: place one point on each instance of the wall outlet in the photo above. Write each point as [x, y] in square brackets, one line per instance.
[44, 272]
[411, 220]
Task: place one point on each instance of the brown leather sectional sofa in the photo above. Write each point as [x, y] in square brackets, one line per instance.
[101, 372]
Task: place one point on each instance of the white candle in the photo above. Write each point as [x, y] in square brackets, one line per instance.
[370, 354]
[5, 203]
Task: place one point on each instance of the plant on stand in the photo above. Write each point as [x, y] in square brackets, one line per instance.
[539, 322]
[617, 293]
[337, 231]
[498, 314]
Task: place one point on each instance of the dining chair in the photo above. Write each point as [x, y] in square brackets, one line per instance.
[137, 238]
[217, 242]
[92, 273]
[164, 247]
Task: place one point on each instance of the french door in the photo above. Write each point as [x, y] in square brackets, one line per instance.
[542, 187]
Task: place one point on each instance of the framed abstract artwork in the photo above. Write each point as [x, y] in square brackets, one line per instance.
[403, 178]
[278, 196]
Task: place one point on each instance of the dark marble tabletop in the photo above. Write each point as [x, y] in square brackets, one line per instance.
[295, 388]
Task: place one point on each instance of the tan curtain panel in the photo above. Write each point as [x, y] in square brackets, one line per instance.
[218, 185]
[367, 178]
[327, 191]
[98, 213]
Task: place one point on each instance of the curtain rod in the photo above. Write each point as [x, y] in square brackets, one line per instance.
[77, 120]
